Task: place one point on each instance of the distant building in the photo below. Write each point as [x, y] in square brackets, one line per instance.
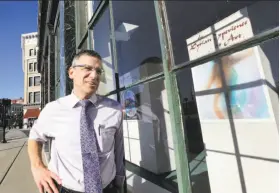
[32, 79]
[16, 106]
[17, 101]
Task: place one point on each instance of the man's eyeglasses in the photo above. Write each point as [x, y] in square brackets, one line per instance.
[88, 68]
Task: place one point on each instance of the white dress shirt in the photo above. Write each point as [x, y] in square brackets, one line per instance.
[60, 120]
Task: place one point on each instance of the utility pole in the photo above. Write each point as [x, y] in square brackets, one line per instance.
[5, 104]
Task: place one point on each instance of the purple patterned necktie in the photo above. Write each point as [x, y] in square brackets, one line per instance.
[92, 177]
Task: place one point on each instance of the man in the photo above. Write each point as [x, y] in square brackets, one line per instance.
[87, 147]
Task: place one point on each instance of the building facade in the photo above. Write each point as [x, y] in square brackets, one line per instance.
[32, 78]
[198, 82]
[16, 106]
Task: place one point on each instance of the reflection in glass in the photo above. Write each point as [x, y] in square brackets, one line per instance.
[230, 108]
[238, 69]
[192, 129]
[147, 132]
[102, 44]
[137, 39]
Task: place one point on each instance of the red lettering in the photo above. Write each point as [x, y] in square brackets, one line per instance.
[231, 39]
[221, 35]
[198, 45]
[233, 28]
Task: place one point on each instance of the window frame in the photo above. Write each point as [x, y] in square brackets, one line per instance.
[32, 66]
[35, 69]
[39, 80]
[34, 95]
[30, 98]
[30, 78]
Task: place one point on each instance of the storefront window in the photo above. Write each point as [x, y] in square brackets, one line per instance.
[137, 40]
[148, 138]
[102, 44]
[230, 105]
[210, 26]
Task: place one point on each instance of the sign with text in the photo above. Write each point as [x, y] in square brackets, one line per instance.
[227, 32]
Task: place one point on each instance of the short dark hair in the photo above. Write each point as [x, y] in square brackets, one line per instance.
[87, 53]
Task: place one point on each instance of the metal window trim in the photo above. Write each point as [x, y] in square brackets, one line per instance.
[114, 52]
[139, 82]
[94, 19]
[89, 39]
[173, 98]
[98, 13]
[77, 23]
[84, 39]
[56, 21]
[113, 37]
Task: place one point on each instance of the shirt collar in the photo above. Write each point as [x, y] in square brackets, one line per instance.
[73, 102]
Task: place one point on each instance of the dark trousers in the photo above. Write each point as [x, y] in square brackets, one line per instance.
[111, 188]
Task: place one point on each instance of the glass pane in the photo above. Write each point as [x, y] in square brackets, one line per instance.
[230, 107]
[30, 81]
[270, 51]
[30, 99]
[37, 97]
[30, 67]
[35, 66]
[81, 19]
[102, 44]
[137, 40]
[37, 80]
[222, 24]
[148, 141]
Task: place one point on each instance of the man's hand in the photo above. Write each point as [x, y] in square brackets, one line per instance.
[44, 179]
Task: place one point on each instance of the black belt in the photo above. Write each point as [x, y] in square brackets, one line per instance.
[62, 189]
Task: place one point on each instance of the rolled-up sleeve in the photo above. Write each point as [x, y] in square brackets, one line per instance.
[38, 130]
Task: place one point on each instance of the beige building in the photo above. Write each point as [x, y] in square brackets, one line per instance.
[32, 79]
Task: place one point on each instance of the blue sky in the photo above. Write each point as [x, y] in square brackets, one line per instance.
[16, 18]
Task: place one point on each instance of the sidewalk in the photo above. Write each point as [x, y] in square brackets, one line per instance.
[16, 176]
[15, 173]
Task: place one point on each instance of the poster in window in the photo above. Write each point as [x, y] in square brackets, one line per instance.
[240, 70]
